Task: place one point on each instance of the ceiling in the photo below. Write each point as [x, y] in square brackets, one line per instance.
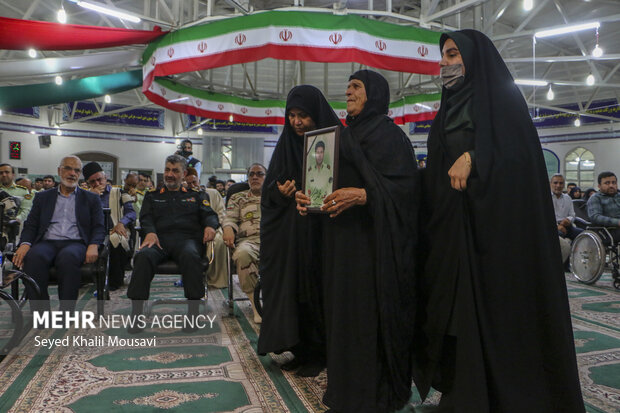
[563, 60]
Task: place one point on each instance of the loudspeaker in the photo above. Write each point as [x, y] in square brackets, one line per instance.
[45, 141]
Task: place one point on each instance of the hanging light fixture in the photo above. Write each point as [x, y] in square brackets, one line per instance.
[58, 80]
[32, 53]
[177, 142]
[58, 132]
[61, 15]
[528, 5]
[597, 52]
[577, 122]
[230, 118]
[590, 79]
[550, 94]
[199, 131]
[107, 99]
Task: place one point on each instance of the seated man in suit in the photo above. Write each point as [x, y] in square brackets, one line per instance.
[604, 206]
[177, 223]
[64, 228]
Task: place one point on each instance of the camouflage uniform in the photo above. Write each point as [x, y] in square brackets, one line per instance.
[243, 215]
[319, 183]
[23, 198]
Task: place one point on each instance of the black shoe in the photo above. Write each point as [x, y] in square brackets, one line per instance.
[193, 307]
[310, 370]
[113, 288]
[134, 329]
[292, 365]
[137, 307]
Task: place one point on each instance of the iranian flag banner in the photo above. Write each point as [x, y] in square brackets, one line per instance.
[285, 35]
[211, 105]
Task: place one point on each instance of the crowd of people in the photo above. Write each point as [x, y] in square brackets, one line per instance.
[403, 276]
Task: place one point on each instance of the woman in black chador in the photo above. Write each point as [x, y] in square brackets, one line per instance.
[497, 319]
[290, 263]
[368, 257]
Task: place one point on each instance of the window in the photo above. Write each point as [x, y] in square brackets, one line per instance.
[226, 156]
[579, 166]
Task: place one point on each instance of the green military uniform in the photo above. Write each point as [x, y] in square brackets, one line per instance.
[139, 199]
[319, 183]
[23, 197]
[243, 215]
[178, 218]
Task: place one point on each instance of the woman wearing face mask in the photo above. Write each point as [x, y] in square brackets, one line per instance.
[368, 249]
[498, 327]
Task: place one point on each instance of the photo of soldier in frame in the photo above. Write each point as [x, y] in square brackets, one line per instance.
[320, 165]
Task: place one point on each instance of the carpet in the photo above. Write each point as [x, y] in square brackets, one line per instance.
[217, 369]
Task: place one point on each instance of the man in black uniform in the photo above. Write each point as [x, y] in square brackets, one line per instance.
[170, 219]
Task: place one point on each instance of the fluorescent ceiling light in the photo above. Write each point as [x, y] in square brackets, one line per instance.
[567, 29]
[528, 5]
[107, 99]
[199, 131]
[58, 80]
[109, 11]
[531, 82]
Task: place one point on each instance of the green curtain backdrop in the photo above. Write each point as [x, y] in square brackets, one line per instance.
[26, 96]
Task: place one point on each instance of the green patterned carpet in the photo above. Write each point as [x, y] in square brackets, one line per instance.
[217, 369]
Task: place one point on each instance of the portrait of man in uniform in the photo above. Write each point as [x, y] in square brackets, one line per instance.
[319, 165]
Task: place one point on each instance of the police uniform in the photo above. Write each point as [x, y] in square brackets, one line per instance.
[319, 183]
[178, 218]
[23, 198]
[243, 215]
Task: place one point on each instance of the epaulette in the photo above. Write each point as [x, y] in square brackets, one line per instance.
[28, 196]
[196, 189]
[22, 187]
[162, 190]
[139, 192]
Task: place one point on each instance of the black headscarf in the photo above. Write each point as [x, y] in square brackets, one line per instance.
[494, 276]
[284, 242]
[384, 157]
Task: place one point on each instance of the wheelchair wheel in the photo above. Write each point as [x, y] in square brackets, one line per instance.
[587, 257]
[258, 301]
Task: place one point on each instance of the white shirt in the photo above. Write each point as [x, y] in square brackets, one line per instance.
[563, 207]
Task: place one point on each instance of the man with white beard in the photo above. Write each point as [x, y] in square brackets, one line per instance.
[64, 228]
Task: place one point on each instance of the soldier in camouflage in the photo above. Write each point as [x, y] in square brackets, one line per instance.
[243, 219]
[21, 194]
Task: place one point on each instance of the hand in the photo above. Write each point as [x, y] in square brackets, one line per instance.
[288, 188]
[229, 237]
[459, 172]
[120, 230]
[209, 235]
[150, 240]
[302, 200]
[99, 189]
[562, 229]
[565, 223]
[92, 253]
[131, 191]
[18, 257]
[342, 199]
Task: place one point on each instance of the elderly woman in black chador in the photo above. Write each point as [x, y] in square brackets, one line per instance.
[497, 319]
[290, 263]
[368, 257]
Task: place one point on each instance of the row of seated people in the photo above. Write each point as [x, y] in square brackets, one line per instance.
[601, 209]
[65, 227]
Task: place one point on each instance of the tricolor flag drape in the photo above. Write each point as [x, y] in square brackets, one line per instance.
[271, 112]
[290, 35]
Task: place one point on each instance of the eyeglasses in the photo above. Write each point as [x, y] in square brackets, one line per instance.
[67, 168]
[260, 174]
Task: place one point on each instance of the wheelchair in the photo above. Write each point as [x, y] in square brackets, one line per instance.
[594, 251]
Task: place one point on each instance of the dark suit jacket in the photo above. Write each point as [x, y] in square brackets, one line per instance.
[87, 209]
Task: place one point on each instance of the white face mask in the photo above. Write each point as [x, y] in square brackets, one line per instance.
[452, 76]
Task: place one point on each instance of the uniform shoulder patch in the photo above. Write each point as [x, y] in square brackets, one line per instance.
[28, 196]
[205, 202]
[139, 192]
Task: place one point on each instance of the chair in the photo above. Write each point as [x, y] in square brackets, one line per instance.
[230, 301]
[582, 220]
[169, 267]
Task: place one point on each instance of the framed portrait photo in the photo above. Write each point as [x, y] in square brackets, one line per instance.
[320, 165]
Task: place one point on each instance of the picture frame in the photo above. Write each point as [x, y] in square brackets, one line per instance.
[320, 165]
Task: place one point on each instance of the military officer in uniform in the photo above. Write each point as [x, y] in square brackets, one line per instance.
[243, 219]
[176, 223]
[141, 189]
[319, 177]
[22, 195]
